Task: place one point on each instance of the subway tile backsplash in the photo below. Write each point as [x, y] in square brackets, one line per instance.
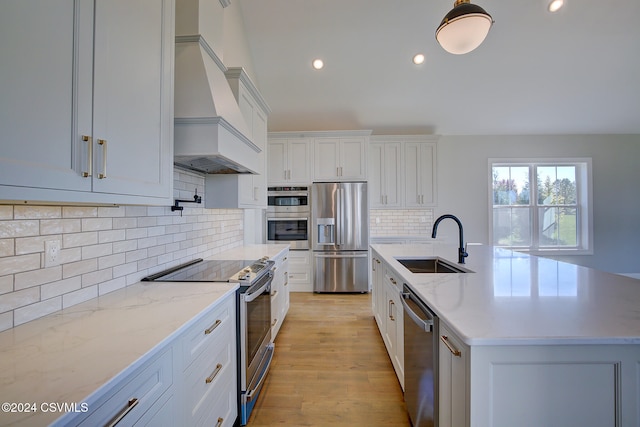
[400, 222]
[102, 248]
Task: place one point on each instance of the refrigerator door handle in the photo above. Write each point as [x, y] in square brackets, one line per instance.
[341, 213]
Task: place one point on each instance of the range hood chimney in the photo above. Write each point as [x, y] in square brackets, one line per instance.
[210, 132]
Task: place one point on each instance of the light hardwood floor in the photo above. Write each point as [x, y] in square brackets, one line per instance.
[330, 368]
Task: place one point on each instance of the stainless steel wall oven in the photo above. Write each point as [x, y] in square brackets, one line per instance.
[288, 216]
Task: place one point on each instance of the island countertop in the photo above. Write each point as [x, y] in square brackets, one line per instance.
[512, 298]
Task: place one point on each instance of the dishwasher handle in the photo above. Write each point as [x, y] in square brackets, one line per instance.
[425, 325]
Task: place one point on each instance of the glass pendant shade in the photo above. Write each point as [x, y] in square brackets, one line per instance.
[464, 28]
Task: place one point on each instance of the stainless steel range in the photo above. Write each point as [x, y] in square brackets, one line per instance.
[255, 349]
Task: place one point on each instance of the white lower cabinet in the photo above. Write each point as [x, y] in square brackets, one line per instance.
[130, 399]
[300, 277]
[388, 312]
[208, 369]
[537, 385]
[454, 386]
[279, 292]
[190, 381]
[377, 289]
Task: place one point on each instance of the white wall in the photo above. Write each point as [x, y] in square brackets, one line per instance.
[463, 188]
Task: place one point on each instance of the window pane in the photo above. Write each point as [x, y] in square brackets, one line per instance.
[511, 227]
[558, 226]
[556, 185]
[511, 185]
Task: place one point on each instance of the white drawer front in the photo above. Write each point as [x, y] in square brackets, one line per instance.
[212, 374]
[207, 330]
[145, 387]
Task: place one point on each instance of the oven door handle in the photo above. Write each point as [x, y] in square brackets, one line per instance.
[258, 386]
[250, 296]
[284, 218]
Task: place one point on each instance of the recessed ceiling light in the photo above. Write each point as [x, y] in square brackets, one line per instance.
[317, 64]
[418, 59]
[555, 5]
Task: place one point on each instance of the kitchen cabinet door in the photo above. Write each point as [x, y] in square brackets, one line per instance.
[39, 81]
[377, 290]
[131, 105]
[453, 361]
[394, 328]
[341, 159]
[288, 162]
[93, 122]
[420, 174]
[385, 188]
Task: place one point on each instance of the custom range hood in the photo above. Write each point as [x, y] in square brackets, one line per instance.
[210, 132]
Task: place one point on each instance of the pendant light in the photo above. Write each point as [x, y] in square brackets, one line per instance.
[464, 28]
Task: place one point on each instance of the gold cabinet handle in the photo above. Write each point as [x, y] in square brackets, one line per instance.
[391, 304]
[274, 293]
[212, 327]
[215, 372]
[103, 142]
[123, 412]
[89, 141]
[274, 323]
[219, 423]
[452, 349]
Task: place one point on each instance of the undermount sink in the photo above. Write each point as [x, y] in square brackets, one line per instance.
[430, 265]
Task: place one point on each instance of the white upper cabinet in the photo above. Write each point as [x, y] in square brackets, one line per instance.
[385, 178]
[340, 158]
[420, 174]
[402, 171]
[91, 90]
[288, 161]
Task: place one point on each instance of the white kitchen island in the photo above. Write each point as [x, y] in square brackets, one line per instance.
[542, 342]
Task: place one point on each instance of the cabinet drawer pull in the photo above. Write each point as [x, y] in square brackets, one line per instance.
[89, 141]
[212, 327]
[391, 304]
[123, 413]
[103, 142]
[452, 349]
[219, 423]
[274, 323]
[215, 372]
[273, 293]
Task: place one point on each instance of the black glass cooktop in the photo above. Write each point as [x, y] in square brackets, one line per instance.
[201, 271]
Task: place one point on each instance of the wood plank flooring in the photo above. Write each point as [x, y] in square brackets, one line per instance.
[330, 368]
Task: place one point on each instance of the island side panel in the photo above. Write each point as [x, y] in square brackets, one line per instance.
[585, 385]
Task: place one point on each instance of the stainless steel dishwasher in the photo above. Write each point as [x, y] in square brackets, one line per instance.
[420, 360]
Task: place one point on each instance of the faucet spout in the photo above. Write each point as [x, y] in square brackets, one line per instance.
[462, 253]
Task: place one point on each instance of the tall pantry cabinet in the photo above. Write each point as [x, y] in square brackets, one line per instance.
[87, 89]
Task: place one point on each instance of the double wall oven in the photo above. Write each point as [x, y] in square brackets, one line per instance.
[288, 216]
[255, 349]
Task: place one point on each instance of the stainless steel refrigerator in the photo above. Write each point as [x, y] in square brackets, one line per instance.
[340, 236]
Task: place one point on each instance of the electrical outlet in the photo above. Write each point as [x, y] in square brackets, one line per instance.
[51, 253]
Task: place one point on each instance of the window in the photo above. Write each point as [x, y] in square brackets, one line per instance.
[541, 206]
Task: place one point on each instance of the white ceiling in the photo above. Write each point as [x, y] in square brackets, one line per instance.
[577, 71]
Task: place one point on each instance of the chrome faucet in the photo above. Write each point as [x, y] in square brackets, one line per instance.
[462, 253]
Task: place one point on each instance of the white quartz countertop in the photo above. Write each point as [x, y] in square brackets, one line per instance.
[69, 355]
[517, 299]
